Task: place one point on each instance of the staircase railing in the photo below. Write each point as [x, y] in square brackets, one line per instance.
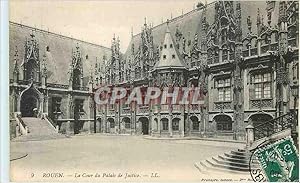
[52, 123]
[287, 121]
[23, 129]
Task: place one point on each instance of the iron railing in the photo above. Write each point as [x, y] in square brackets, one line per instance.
[287, 121]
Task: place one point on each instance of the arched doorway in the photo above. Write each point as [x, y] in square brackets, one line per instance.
[258, 119]
[223, 123]
[30, 102]
[98, 125]
[29, 106]
[110, 125]
[195, 123]
[175, 124]
[145, 125]
[165, 124]
[127, 124]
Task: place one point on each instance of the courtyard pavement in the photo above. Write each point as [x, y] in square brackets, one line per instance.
[110, 158]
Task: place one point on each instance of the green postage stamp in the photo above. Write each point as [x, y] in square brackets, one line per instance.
[279, 161]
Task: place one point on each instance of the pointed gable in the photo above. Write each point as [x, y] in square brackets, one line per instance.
[169, 57]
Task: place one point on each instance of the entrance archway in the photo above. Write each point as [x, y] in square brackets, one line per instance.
[30, 102]
[110, 125]
[98, 125]
[126, 121]
[29, 106]
[258, 119]
[223, 123]
[195, 123]
[145, 125]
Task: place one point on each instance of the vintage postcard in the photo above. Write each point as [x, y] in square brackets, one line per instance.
[153, 91]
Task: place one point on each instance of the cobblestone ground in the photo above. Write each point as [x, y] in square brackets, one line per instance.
[109, 158]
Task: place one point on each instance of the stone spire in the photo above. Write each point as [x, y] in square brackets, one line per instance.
[238, 22]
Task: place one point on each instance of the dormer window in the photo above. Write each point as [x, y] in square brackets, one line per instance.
[164, 57]
[171, 45]
[173, 56]
[165, 46]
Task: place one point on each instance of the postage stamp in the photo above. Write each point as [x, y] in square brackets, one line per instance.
[278, 162]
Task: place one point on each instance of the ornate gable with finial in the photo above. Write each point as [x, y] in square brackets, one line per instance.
[31, 49]
[77, 59]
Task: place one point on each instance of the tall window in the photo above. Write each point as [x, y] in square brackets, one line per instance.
[262, 85]
[112, 124]
[165, 124]
[56, 103]
[195, 125]
[224, 89]
[175, 124]
[127, 123]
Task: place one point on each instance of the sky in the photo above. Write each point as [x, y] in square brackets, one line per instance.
[97, 21]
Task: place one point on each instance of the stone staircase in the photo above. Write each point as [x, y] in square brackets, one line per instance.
[235, 161]
[38, 129]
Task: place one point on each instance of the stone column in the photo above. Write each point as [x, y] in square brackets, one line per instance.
[90, 110]
[258, 46]
[170, 126]
[181, 126]
[69, 128]
[249, 135]
[159, 124]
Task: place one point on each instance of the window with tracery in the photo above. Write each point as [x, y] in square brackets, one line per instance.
[262, 85]
[224, 89]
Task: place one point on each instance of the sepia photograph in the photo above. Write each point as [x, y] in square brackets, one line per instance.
[153, 91]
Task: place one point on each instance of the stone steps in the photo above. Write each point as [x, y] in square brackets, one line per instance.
[236, 161]
[38, 129]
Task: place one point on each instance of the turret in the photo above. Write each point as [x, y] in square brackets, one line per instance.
[16, 71]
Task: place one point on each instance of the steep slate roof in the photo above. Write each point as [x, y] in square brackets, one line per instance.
[169, 57]
[60, 52]
[190, 23]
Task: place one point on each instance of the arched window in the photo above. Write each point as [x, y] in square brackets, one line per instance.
[223, 122]
[156, 124]
[127, 124]
[175, 124]
[195, 123]
[165, 124]
[111, 123]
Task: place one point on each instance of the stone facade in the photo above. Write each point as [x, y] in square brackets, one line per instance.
[243, 56]
[50, 74]
[245, 63]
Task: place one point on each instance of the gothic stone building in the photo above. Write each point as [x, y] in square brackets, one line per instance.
[243, 56]
[50, 73]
